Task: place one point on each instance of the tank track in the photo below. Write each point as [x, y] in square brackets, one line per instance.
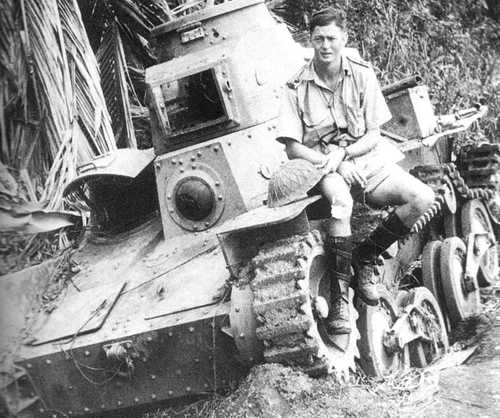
[282, 305]
[475, 178]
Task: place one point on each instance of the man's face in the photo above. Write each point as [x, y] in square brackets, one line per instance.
[328, 41]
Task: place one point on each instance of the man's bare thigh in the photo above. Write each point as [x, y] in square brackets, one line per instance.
[397, 189]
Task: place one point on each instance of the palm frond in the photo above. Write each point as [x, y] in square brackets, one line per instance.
[111, 59]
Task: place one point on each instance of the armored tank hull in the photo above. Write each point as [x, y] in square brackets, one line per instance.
[188, 277]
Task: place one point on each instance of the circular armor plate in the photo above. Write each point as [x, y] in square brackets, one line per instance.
[208, 184]
[460, 303]
[475, 219]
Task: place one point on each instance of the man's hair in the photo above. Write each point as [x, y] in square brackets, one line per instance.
[325, 17]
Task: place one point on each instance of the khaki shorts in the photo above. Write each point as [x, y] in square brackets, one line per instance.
[342, 198]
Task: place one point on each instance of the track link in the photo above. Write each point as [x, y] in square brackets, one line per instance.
[282, 304]
[278, 300]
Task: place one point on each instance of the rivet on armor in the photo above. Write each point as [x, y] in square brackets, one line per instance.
[193, 166]
[70, 387]
[103, 406]
[136, 400]
[153, 396]
[119, 403]
[229, 143]
[198, 153]
[191, 329]
[48, 361]
[153, 377]
[170, 393]
[87, 353]
[169, 196]
[70, 412]
[249, 135]
[196, 360]
[217, 184]
[181, 170]
[220, 197]
[149, 339]
[171, 210]
[205, 385]
[188, 389]
[181, 162]
[236, 309]
[170, 334]
[178, 372]
[86, 409]
[41, 410]
[251, 359]
[206, 224]
[29, 366]
[210, 357]
[216, 148]
[193, 158]
[174, 162]
[242, 335]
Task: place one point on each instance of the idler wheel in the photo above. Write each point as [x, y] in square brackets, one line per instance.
[435, 344]
[461, 294]
[475, 219]
[373, 323]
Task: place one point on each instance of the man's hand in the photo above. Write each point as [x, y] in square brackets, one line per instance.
[351, 174]
[333, 159]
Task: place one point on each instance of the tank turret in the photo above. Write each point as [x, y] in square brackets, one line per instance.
[214, 99]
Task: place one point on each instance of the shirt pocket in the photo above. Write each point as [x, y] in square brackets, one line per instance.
[355, 121]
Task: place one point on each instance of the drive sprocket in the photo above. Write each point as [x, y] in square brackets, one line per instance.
[290, 276]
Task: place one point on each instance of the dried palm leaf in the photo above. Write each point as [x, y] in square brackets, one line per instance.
[111, 59]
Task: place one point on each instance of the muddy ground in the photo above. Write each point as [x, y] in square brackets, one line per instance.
[466, 383]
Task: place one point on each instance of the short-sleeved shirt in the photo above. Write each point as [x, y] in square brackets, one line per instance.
[311, 111]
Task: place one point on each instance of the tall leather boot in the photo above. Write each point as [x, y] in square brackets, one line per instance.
[364, 256]
[340, 251]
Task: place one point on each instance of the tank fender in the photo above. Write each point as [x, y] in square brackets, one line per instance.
[241, 237]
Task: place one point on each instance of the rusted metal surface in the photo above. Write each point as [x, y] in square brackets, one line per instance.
[180, 360]
[88, 311]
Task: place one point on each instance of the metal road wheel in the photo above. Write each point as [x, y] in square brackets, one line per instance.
[462, 300]
[431, 267]
[431, 276]
[373, 323]
[475, 218]
[423, 352]
[451, 224]
[291, 290]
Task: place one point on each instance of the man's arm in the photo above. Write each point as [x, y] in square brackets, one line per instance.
[364, 144]
[329, 162]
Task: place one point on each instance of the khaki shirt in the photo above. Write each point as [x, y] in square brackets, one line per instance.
[311, 111]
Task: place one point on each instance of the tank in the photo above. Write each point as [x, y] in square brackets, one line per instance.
[187, 277]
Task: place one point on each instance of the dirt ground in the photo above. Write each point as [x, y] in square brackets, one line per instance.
[446, 389]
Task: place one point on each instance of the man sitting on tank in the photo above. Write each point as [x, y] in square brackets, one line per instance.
[331, 114]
